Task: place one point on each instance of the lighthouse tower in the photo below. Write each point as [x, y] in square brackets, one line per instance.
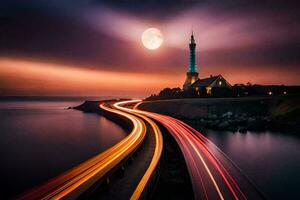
[192, 74]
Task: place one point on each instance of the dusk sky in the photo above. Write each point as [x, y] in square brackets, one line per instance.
[94, 47]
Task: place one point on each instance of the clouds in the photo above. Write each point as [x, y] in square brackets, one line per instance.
[24, 77]
[225, 25]
[105, 35]
[222, 29]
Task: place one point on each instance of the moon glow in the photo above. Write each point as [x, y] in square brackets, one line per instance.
[152, 38]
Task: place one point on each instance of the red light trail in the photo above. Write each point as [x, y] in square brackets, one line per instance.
[213, 175]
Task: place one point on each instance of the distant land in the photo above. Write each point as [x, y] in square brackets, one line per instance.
[237, 90]
[54, 98]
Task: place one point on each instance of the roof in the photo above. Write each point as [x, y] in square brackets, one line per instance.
[206, 81]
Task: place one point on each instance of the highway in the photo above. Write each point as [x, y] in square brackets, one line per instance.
[157, 152]
[76, 181]
[213, 174]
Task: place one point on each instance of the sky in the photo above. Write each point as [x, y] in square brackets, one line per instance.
[94, 47]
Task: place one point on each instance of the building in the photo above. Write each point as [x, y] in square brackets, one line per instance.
[192, 74]
[205, 85]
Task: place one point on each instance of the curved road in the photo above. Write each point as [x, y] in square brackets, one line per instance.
[157, 151]
[213, 175]
[74, 182]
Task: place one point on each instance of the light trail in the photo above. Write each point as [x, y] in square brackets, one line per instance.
[211, 177]
[76, 181]
[157, 152]
[208, 169]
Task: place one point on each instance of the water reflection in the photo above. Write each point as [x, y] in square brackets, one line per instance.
[39, 140]
[271, 160]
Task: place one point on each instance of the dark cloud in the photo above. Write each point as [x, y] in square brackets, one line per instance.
[55, 31]
[165, 8]
[151, 8]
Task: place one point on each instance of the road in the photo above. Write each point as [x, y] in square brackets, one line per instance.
[157, 152]
[213, 174]
[76, 181]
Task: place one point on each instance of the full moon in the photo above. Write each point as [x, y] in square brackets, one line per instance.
[152, 38]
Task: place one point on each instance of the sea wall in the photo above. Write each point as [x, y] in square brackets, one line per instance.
[250, 113]
[195, 108]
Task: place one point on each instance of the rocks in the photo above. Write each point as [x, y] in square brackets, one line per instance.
[243, 129]
[250, 120]
[223, 125]
[233, 129]
[227, 115]
[213, 116]
[233, 122]
[256, 125]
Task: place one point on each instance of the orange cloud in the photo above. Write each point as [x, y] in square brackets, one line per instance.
[21, 77]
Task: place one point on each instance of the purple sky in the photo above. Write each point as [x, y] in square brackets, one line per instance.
[250, 41]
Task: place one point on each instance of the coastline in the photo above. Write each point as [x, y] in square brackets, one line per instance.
[278, 114]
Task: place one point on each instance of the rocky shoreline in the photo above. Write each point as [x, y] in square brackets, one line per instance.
[230, 122]
[234, 114]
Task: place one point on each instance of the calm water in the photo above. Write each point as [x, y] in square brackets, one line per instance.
[271, 160]
[41, 139]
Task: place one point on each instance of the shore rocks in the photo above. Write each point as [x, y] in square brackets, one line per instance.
[257, 125]
[224, 125]
[227, 115]
[232, 122]
[277, 114]
[243, 129]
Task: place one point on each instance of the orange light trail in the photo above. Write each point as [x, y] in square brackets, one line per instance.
[157, 152]
[74, 182]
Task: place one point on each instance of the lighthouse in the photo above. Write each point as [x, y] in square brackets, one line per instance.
[192, 74]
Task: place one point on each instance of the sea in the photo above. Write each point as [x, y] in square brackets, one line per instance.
[41, 138]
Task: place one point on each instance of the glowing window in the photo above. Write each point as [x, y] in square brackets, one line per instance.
[208, 90]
